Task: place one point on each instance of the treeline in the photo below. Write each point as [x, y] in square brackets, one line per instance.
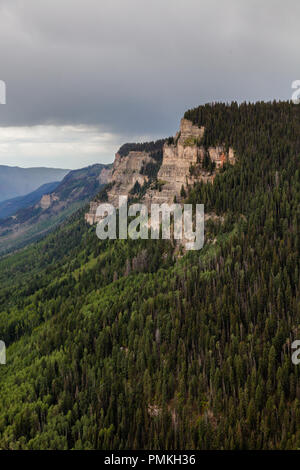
[153, 147]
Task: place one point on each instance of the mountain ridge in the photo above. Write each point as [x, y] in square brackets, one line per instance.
[16, 181]
[11, 206]
[75, 190]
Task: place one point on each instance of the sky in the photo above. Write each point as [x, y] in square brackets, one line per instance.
[82, 77]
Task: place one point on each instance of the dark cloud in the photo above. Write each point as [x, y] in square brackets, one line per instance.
[134, 66]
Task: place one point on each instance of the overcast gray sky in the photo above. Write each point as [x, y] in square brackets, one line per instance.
[84, 76]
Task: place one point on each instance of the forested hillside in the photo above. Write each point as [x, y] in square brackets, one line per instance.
[123, 345]
[34, 220]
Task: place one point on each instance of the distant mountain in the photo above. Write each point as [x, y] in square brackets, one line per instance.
[29, 223]
[15, 181]
[11, 206]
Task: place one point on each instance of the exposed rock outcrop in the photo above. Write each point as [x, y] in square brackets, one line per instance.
[47, 200]
[126, 172]
[90, 217]
[104, 175]
[185, 161]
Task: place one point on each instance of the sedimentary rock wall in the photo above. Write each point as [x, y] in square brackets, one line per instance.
[126, 172]
[182, 165]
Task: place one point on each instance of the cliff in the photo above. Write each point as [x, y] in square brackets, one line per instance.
[126, 172]
[184, 162]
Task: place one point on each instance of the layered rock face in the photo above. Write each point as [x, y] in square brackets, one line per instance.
[177, 160]
[189, 130]
[185, 162]
[126, 172]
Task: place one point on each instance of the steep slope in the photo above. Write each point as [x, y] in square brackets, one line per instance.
[158, 172]
[15, 181]
[11, 206]
[75, 190]
[121, 345]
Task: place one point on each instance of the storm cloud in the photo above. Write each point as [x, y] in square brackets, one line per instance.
[130, 68]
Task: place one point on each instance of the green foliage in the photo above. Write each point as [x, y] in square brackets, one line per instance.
[208, 164]
[190, 141]
[154, 147]
[182, 192]
[118, 344]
